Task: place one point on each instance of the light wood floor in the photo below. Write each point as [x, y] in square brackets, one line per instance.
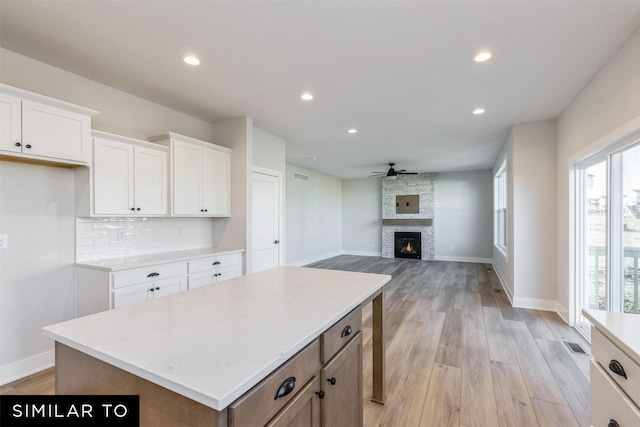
[457, 353]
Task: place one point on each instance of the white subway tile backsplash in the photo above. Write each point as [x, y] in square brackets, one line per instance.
[104, 238]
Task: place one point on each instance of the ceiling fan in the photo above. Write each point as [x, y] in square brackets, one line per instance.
[391, 173]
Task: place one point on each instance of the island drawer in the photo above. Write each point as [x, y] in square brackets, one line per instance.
[339, 334]
[148, 274]
[613, 359]
[614, 404]
[214, 262]
[262, 403]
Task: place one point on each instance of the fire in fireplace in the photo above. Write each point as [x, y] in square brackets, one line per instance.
[408, 245]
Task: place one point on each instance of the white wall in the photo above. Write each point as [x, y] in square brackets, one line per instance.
[534, 194]
[314, 217]
[269, 151]
[528, 271]
[602, 112]
[36, 270]
[463, 218]
[362, 216]
[36, 207]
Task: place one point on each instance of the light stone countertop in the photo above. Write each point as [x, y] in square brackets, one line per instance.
[212, 344]
[126, 263]
[621, 328]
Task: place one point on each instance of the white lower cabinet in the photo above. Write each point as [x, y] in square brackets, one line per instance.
[615, 384]
[214, 269]
[146, 291]
[100, 289]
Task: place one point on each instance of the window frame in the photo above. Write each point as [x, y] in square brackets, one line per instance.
[500, 210]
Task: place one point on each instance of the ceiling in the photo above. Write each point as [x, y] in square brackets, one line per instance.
[401, 73]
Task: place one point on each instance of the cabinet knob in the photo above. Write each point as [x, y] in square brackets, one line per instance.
[151, 289]
[137, 209]
[276, 241]
[133, 209]
[332, 380]
[157, 288]
[616, 368]
[286, 387]
[18, 144]
[320, 394]
[346, 331]
[206, 210]
[613, 423]
[28, 145]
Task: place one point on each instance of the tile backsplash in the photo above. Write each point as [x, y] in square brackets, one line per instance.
[104, 238]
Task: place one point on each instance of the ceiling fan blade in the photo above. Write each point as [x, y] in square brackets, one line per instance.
[401, 170]
[408, 173]
[377, 176]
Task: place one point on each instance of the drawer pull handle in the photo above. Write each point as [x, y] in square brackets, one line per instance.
[332, 380]
[216, 263]
[346, 331]
[153, 274]
[320, 394]
[287, 387]
[613, 423]
[616, 368]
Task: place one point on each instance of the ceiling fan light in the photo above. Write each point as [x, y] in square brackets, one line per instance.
[392, 176]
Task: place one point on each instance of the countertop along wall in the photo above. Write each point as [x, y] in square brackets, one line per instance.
[37, 210]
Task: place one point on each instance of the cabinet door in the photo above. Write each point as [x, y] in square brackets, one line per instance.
[202, 279]
[113, 178]
[10, 123]
[303, 410]
[230, 272]
[187, 179]
[52, 132]
[169, 286]
[341, 380]
[132, 295]
[150, 173]
[216, 178]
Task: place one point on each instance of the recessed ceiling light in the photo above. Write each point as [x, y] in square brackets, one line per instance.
[191, 60]
[478, 111]
[482, 56]
[306, 96]
[353, 130]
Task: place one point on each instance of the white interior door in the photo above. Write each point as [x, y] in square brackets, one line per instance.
[266, 221]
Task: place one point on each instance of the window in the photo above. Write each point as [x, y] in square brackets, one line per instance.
[500, 208]
[607, 218]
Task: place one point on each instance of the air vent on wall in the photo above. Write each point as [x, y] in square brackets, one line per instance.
[300, 177]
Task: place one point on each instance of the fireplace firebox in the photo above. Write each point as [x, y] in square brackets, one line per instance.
[408, 245]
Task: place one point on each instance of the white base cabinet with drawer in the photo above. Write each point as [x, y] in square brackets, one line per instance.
[214, 269]
[99, 290]
[615, 369]
[307, 392]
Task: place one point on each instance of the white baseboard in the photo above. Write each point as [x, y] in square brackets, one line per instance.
[563, 312]
[475, 260]
[503, 283]
[363, 253]
[535, 304]
[313, 259]
[25, 367]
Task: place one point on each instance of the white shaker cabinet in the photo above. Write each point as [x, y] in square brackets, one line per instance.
[200, 176]
[128, 178]
[36, 128]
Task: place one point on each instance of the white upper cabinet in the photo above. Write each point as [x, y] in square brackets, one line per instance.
[200, 176]
[38, 128]
[128, 178]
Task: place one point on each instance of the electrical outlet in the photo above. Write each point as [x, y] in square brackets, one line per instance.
[121, 234]
[3, 241]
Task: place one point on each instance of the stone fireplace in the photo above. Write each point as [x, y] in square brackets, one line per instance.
[408, 207]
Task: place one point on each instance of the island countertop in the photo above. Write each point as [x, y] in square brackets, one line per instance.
[212, 344]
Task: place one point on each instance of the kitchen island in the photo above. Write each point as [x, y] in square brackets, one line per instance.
[191, 355]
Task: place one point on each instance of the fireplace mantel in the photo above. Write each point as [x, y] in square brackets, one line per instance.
[410, 222]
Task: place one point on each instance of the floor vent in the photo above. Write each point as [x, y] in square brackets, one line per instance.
[489, 269]
[574, 347]
[497, 291]
[301, 177]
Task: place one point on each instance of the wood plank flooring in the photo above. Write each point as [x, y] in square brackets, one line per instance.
[457, 353]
